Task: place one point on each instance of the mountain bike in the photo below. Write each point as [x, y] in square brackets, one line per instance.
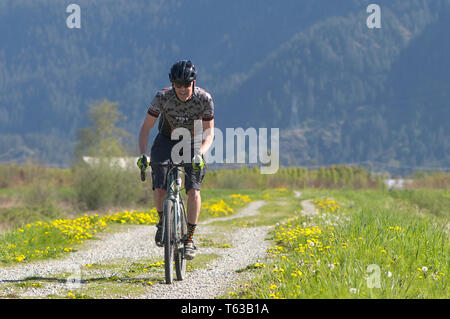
[174, 221]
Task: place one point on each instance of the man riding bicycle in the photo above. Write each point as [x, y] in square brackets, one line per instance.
[178, 107]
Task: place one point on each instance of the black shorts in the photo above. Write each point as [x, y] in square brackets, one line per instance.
[160, 152]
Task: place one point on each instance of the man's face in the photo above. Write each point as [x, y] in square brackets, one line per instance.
[183, 90]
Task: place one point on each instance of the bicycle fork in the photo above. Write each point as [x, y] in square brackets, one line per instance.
[174, 196]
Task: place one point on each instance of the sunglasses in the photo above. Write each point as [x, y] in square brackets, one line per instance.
[179, 85]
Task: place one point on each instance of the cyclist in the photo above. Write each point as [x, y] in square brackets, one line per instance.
[178, 106]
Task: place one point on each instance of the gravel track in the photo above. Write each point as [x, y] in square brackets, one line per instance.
[219, 277]
[132, 244]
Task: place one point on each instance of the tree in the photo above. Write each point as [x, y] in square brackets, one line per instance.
[102, 138]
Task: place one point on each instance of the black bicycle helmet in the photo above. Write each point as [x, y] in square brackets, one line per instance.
[183, 71]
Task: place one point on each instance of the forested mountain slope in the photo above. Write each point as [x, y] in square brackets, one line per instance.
[338, 91]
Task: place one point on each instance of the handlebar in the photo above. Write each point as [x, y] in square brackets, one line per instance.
[163, 164]
[169, 164]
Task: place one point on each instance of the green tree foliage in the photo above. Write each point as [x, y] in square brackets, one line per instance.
[102, 138]
[104, 182]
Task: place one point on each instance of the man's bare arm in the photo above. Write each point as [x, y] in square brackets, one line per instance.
[208, 135]
[149, 122]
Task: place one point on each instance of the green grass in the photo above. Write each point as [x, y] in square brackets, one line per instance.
[377, 240]
[205, 242]
[35, 203]
[279, 204]
[43, 240]
[224, 202]
[14, 217]
[399, 238]
[436, 202]
[59, 192]
[208, 194]
[10, 192]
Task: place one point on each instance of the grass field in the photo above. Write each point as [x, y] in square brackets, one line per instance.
[360, 244]
[354, 244]
[363, 241]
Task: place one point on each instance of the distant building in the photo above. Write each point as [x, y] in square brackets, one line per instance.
[397, 183]
[122, 162]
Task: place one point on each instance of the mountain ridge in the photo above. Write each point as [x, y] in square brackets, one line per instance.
[338, 91]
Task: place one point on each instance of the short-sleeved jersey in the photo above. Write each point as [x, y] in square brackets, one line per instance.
[175, 113]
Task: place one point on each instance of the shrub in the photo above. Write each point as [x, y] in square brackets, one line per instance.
[105, 185]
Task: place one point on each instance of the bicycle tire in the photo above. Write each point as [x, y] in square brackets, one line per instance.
[180, 261]
[168, 241]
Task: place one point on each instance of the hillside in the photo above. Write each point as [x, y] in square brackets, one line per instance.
[349, 94]
[338, 91]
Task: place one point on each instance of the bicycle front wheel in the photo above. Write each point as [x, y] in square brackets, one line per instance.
[181, 229]
[168, 240]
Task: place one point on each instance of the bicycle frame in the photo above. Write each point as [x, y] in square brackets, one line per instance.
[175, 224]
[173, 194]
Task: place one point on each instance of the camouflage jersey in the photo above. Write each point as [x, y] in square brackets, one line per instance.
[181, 114]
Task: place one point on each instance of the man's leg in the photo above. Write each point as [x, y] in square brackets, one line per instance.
[194, 203]
[193, 210]
[159, 195]
[160, 152]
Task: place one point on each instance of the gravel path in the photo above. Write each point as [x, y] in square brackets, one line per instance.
[219, 277]
[248, 246]
[308, 208]
[133, 244]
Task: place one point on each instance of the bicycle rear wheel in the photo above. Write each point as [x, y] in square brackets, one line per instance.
[168, 240]
[181, 228]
